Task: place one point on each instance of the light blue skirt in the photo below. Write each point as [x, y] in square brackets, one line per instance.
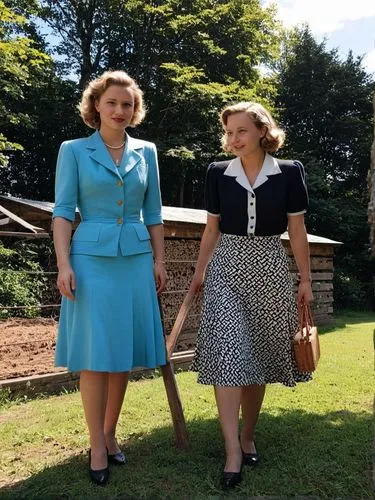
[114, 324]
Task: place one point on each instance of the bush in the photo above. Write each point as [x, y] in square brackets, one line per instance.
[17, 286]
[350, 293]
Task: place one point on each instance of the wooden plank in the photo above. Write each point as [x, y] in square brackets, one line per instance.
[316, 249]
[317, 264]
[320, 263]
[183, 230]
[320, 249]
[179, 323]
[54, 383]
[39, 384]
[20, 221]
[19, 234]
[179, 424]
[322, 276]
[321, 286]
[322, 308]
[323, 297]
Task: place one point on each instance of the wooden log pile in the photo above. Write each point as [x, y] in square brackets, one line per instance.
[181, 255]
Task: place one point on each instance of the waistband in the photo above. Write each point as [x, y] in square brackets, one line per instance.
[245, 237]
[105, 220]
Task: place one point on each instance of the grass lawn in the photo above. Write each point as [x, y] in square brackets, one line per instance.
[315, 440]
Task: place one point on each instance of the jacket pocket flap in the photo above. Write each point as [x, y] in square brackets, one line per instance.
[142, 232]
[87, 232]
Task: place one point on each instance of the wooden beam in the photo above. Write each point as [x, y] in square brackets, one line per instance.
[20, 221]
[20, 234]
[179, 424]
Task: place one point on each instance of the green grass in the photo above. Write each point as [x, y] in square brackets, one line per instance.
[315, 440]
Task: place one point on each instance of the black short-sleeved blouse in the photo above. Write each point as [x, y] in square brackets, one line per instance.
[258, 210]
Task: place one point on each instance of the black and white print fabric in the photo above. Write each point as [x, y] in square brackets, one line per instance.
[249, 315]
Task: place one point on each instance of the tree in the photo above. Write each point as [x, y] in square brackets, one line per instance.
[325, 107]
[51, 106]
[20, 61]
[189, 57]
[371, 208]
[81, 27]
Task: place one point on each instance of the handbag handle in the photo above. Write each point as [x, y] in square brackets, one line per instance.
[306, 320]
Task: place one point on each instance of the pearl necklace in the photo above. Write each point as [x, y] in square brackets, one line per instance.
[115, 147]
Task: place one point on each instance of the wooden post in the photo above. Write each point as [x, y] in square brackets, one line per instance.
[174, 401]
[179, 424]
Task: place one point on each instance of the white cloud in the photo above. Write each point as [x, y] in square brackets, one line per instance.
[323, 16]
[369, 61]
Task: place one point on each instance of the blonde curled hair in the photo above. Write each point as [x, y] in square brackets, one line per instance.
[258, 114]
[96, 88]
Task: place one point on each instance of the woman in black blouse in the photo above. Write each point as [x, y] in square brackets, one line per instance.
[249, 315]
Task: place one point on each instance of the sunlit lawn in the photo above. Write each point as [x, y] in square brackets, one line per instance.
[315, 440]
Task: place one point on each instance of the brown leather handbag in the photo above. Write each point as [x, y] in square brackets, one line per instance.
[306, 342]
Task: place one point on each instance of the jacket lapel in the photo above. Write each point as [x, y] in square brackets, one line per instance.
[131, 155]
[99, 152]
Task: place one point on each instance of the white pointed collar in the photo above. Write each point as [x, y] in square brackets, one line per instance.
[269, 167]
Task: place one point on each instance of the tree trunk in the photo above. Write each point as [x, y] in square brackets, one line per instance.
[181, 190]
[371, 208]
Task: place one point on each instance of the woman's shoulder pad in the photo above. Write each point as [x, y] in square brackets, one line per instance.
[219, 166]
[140, 144]
[75, 142]
[287, 165]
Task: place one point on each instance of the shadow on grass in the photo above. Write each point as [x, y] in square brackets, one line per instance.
[343, 318]
[303, 455]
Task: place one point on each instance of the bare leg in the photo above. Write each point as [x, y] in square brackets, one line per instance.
[117, 384]
[251, 403]
[228, 401]
[94, 390]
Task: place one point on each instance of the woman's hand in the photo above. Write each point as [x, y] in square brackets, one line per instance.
[197, 283]
[304, 292]
[160, 276]
[66, 282]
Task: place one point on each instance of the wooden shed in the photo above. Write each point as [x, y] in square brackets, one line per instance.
[183, 230]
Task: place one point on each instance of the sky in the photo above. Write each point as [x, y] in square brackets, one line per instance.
[346, 24]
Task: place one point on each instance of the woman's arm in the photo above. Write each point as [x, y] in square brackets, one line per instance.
[157, 241]
[62, 232]
[207, 247]
[300, 248]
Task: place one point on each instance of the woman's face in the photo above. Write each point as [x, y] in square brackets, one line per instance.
[116, 108]
[243, 136]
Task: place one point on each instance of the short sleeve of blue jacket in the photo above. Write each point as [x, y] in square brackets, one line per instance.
[151, 209]
[66, 183]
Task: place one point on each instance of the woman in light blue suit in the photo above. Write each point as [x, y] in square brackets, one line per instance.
[113, 268]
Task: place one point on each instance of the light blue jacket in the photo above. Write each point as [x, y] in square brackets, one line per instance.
[115, 205]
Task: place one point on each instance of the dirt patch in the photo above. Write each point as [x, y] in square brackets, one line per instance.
[27, 347]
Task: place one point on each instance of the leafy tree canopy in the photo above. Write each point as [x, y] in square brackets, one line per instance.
[20, 61]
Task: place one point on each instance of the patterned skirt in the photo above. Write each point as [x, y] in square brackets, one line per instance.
[249, 316]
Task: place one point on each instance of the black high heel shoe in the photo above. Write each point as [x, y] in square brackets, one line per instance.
[117, 458]
[231, 479]
[99, 477]
[250, 459]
